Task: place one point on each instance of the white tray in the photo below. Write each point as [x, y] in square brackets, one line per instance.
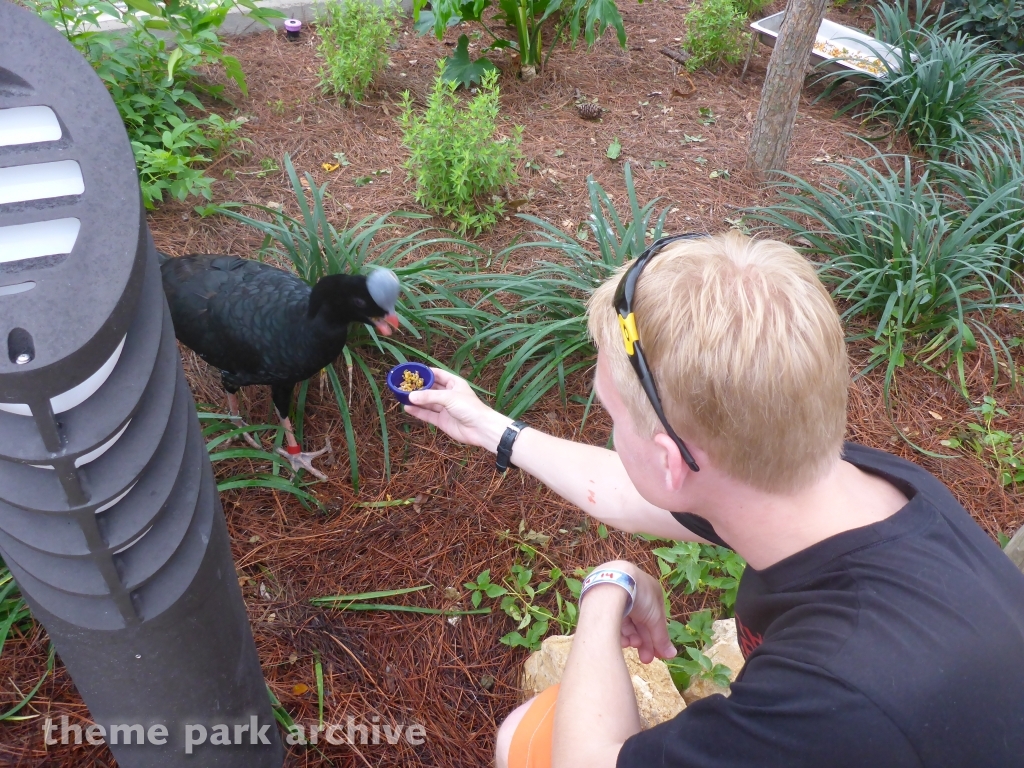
[860, 47]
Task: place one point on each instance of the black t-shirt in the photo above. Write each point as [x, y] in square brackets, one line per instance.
[897, 644]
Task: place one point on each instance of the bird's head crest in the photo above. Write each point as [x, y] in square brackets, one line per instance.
[384, 288]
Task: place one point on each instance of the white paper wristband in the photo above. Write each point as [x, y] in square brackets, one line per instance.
[611, 576]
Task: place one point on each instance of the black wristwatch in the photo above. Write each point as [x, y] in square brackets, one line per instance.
[502, 462]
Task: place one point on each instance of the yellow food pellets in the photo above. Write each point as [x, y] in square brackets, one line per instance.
[411, 381]
[853, 58]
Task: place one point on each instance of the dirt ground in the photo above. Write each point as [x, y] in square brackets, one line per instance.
[454, 677]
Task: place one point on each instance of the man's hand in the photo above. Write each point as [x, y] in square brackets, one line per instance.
[454, 408]
[646, 627]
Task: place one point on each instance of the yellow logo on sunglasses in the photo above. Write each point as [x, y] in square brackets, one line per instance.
[629, 332]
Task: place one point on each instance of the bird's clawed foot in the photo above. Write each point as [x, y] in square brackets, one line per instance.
[238, 421]
[300, 460]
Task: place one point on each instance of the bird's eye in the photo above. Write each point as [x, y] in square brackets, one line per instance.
[359, 303]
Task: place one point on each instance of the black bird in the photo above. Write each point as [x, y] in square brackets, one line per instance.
[261, 325]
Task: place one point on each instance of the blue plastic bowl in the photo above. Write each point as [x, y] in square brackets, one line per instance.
[396, 374]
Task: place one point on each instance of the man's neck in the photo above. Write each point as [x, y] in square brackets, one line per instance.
[765, 528]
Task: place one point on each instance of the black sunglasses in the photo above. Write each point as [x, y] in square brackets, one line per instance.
[631, 338]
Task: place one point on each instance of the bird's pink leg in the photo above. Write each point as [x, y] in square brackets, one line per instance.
[237, 420]
[293, 452]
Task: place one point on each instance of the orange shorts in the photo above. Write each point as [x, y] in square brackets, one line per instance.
[531, 742]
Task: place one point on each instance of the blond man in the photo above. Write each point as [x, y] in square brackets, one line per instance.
[880, 625]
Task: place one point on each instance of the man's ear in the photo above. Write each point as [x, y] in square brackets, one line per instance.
[674, 468]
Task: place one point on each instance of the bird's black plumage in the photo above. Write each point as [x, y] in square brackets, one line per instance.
[261, 325]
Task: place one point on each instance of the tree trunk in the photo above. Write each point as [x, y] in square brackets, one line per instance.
[780, 96]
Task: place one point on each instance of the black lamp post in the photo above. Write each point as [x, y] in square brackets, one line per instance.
[109, 516]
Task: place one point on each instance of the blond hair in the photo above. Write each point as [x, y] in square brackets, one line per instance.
[747, 351]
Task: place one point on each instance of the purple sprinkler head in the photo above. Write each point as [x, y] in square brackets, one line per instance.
[292, 27]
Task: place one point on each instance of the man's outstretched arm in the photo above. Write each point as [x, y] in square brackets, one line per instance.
[592, 478]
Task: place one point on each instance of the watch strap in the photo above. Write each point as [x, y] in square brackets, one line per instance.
[503, 460]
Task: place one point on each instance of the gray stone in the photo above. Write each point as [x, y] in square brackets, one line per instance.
[656, 695]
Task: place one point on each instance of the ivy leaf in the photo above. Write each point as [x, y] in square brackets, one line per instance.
[458, 68]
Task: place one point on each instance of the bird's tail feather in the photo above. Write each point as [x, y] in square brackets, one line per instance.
[162, 258]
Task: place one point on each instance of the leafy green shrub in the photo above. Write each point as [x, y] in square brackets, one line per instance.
[693, 567]
[714, 34]
[684, 565]
[153, 80]
[1001, 21]
[453, 155]
[354, 36]
[754, 7]
[527, 19]
[904, 254]
[1002, 449]
[539, 334]
[692, 637]
[945, 87]
[429, 310]
[518, 596]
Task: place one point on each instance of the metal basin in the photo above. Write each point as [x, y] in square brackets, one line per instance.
[838, 48]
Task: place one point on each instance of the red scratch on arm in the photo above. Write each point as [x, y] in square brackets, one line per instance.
[590, 497]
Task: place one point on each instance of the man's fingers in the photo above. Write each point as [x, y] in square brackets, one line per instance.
[445, 380]
[662, 644]
[424, 414]
[646, 648]
[426, 398]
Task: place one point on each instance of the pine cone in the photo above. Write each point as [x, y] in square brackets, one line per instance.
[589, 111]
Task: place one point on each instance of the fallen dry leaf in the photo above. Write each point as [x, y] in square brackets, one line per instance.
[300, 689]
[537, 539]
[935, 416]
[329, 167]
[693, 88]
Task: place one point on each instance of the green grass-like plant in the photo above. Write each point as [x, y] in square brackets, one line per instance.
[15, 616]
[538, 326]
[991, 172]
[454, 156]
[14, 613]
[425, 260]
[945, 87]
[906, 256]
[715, 34]
[220, 433]
[354, 37]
